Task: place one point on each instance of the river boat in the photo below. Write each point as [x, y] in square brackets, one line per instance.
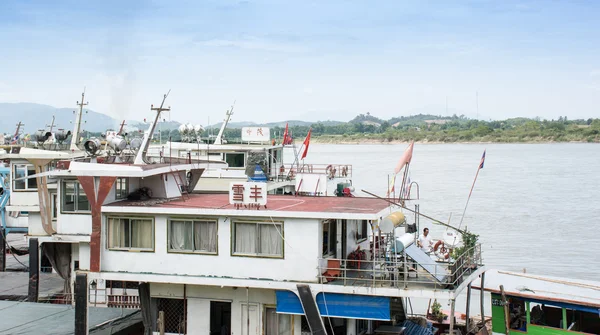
[524, 303]
[245, 261]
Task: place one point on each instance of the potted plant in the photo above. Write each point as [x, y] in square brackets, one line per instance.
[436, 311]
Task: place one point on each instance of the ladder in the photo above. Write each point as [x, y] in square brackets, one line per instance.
[183, 187]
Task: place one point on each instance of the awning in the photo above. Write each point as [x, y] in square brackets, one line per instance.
[338, 305]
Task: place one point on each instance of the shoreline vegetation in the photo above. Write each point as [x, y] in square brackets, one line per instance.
[427, 128]
[366, 129]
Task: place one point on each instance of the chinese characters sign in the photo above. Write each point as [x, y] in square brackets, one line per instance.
[256, 134]
[248, 195]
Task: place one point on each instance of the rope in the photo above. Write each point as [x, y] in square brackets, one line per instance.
[11, 248]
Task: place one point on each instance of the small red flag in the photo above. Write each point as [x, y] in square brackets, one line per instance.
[286, 136]
[306, 143]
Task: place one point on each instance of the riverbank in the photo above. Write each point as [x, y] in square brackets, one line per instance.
[366, 140]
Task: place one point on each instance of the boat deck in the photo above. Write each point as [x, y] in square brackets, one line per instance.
[284, 203]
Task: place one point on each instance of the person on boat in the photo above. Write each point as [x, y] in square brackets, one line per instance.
[424, 241]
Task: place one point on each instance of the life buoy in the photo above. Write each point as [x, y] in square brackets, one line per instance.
[440, 250]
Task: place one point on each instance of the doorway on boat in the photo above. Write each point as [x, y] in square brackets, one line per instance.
[220, 318]
[277, 324]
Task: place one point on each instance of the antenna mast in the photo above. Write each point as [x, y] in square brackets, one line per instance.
[141, 155]
[19, 125]
[121, 128]
[228, 114]
[52, 124]
[77, 127]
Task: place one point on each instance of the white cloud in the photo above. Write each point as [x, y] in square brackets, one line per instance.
[595, 73]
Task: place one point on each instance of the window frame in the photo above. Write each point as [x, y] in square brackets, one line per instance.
[266, 309]
[108, 231]
[235, 153]
[330, 253]
[193, 220]
[76, 194]
[281, 230]
[362, 230]
[26, 180]
[54, 205]
[119, 196]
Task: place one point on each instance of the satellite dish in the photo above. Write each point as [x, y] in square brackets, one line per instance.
[61, 135]
[92, 146]
[116, 142]
[41, 136]
[135, 144]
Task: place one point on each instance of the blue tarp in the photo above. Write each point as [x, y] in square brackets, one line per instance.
[288, 303]
[338, 305]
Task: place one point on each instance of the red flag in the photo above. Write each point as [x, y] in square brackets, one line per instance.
[306, 142]
[286, 138]
[406, 157]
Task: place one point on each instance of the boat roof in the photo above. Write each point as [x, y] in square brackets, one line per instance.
[542, 288]
[119, 170]
[40, 318]
[277, 206]
[31, 153]
[250, 146]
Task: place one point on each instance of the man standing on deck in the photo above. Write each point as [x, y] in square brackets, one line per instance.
[424, 241]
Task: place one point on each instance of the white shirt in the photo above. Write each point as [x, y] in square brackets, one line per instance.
[425, 242]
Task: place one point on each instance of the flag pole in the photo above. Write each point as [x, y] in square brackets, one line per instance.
[404, 175]
[471, 192]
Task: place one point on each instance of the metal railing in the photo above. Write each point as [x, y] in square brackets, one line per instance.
[331, 170]
[400, 271]
[123, 301]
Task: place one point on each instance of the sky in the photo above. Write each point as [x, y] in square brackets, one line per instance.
[308, 60]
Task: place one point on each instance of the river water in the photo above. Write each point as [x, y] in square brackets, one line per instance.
[534, 206]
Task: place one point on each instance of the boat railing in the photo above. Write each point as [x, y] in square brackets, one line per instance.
[331, 170]
[123, 301]
[400, 271]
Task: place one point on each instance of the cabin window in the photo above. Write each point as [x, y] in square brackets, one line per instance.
[518, 314]
[582, 321]
[362, 326]
[263, 239]
[23, 171]
[361, 230]
[329, 237]
[277, 324]
[54, 205]
[74, 199]
[121, 188]
[131, 234]
[235, 159]
[193, 236]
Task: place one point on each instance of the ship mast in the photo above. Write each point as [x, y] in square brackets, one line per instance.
[51, 126]
[228, 114]
[121, 128]
[140, 158]
[15, 137]
[77, 127]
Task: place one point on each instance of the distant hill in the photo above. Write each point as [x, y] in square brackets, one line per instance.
[37, 116]
[367, 119]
